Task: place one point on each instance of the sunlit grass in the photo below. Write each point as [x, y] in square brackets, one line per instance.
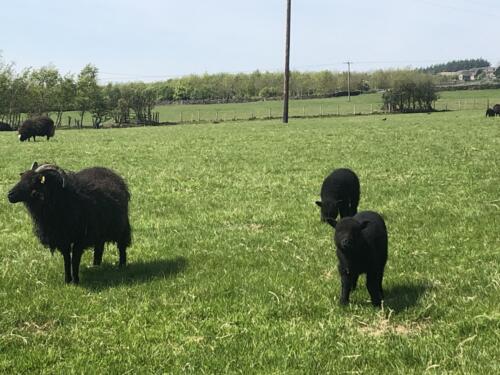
[231, 270]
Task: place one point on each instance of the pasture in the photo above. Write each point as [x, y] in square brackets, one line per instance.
[231, 270]
[362, 104]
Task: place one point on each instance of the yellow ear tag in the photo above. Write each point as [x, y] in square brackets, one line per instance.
[42, 180]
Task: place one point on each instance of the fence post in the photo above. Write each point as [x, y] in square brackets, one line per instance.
[354, 109]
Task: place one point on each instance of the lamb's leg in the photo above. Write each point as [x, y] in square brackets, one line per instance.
[373, 284]
[346, 286]
[75, 262]
[67, 265]
[98, 250]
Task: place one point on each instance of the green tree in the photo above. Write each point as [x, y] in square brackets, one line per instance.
[410, 93]
[90, 96]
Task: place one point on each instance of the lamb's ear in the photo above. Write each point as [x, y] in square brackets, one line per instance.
[318, 203]
[364, 224]
[331, 221]
[34, 166]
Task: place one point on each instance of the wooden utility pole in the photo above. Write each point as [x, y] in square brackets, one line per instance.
[286, 84]
[348, 80]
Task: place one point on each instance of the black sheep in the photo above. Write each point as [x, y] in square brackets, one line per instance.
[361, 243]
[39, 126]
[339, 194]
[490, 113]
[75, 211]
[4, 127]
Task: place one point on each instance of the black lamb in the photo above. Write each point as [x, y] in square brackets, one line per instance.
[39, 126]
[361, 243]
[339, 194]
[4, 127]
[75, 211]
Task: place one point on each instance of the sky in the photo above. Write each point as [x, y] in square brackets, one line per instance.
[151, 40]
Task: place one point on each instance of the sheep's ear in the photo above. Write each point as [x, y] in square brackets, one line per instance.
[34, 166]
[318, 203]
[364, 224]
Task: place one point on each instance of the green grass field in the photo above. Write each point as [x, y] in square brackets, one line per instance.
[362, 104]
[231, 270]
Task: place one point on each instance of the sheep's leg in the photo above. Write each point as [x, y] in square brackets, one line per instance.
[380, 284]
[75, 262]
[98, 250]
[122, 250]
[67, 265]
[373, 282]
[354, 282]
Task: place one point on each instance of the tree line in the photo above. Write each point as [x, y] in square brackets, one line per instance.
[456, 65]
[46, 91]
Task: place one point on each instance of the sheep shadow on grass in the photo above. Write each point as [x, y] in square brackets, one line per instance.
[110, 275]
[403, 296]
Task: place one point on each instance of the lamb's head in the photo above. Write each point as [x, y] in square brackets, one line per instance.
[329, 211]
[348, 233]
[38, 183]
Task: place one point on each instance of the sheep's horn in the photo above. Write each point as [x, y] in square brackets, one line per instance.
[52, 167]
[34, 166]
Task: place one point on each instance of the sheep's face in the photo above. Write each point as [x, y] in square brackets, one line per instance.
[329, 211]
[348, 234]
[35, 186]
[22, 137]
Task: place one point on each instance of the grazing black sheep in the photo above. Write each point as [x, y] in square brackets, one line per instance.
[490, 113]
[74, 211]
[39, 126]
[361, 243]
[496, 109]
[4, 127]
[339, 194]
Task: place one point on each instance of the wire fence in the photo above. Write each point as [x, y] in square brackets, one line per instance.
[323, 110]
[192, 114]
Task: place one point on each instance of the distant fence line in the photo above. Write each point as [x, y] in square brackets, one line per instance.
[296, 111]
[354, 109]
